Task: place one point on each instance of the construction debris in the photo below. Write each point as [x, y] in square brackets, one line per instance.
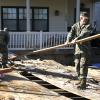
[15, 86]
[64, 77]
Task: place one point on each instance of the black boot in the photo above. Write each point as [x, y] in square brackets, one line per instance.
[4, 66]
[82, 85]
[0, 65]
[79, 82]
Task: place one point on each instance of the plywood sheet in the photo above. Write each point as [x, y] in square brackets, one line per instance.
[16, 87]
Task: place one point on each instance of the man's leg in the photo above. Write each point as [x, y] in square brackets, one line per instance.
[83, 71]
[5, 58]
[77, 66]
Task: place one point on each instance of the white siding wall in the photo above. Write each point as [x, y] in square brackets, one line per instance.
[65, 7]
[12, 2]
[71, 6]
[56, 23]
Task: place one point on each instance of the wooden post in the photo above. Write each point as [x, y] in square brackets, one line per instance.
[41, 40]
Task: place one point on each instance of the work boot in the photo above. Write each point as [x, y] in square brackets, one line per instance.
[5, 66]
[82, 85]
[79, 82]
[0, 65]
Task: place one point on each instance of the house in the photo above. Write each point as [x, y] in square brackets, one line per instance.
[36, 24]
[97, 14]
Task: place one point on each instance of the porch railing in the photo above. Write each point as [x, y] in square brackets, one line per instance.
[35, 40]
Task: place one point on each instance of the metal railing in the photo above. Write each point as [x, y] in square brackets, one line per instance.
[35, 40]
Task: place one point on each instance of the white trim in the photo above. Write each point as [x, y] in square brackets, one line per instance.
[0, 17]
[28, 15]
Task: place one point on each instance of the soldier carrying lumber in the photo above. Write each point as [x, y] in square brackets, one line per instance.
[80, 30]
[4, 39]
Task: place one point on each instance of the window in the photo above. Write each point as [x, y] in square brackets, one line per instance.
[14, 18]
[40, 19]
[9, 18]
[22, 19]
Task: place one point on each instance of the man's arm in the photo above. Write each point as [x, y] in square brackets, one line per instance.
[71, 35]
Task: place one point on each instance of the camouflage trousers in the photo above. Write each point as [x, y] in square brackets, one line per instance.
[4, 55]
[82, 62]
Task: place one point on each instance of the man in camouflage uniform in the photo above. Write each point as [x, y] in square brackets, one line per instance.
[4, 39]
[80, 30]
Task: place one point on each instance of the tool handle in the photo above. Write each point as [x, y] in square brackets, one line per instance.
[59, 46]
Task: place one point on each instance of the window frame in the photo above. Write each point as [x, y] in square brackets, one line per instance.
[40, 19]
[18, 19]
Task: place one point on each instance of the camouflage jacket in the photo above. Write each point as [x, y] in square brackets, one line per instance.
[80, 33]
[4, 38]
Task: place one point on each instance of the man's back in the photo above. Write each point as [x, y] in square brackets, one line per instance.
[4, 37]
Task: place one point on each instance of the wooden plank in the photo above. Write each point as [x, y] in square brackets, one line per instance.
[68, 86]
[16, 87]
[5, 70]
[58, 46]
[62, 76]
[51, 65]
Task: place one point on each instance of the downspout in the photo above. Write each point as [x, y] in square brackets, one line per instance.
[77, 10]
[66, 14]
[0, 17]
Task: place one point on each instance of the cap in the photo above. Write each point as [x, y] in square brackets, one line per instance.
[85, 14]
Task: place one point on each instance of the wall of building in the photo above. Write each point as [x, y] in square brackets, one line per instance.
[71, 6]
[89, 4]
[97, 16]
[65, 8]
[56, 23]
[71, 10]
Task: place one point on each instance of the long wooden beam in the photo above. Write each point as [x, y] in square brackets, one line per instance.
[6, 70]
[59, 46]
[62, 45]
